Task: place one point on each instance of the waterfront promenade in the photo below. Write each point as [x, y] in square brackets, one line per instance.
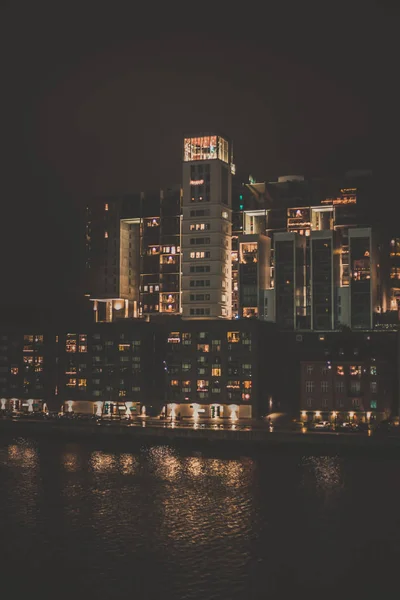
[223, 435]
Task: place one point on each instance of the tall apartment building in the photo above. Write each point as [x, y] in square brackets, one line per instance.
[207, 228]
[133, 254]
[365, 300]
[184, 250]
[312, 285]
[254, 274]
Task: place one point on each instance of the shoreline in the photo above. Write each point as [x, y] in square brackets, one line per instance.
[234, 440]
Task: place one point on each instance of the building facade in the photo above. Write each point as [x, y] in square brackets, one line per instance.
[346, 377]
[207, 228]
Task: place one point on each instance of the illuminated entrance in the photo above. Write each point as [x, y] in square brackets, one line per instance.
[215, 411]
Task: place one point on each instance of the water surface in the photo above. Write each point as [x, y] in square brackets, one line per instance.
[155, 522]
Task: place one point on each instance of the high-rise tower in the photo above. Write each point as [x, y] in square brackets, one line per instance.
[207, 228]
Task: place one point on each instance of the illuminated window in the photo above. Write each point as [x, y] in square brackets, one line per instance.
[355, 370]
[216, 371]
[372, 370]
[233, 337]
[14, 370]
[174, 337]
[124, 347]
[154, 222]
[106, 234]
[122, 393]
[81, 383]
[216, 345]
[203, 348]
[202, 384]
[28, 338]
[70, 343]
[174, 382]
[106, 206]
[247, 385]
[71, 382]
[199, 226]
[233, 384]
[186, 366]
[340, 370]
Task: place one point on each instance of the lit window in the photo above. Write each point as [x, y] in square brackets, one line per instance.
[70, 343]
[216, 371]
[233, 337]
[14, 370]
[174, 382]
[106, 206]
[106, 234]
[202, 385]
[71, 382]
[355, 370]
[124, 347]
[203, 347]
[81, 383]
[233, 384]
[340, 370]
[174, 337]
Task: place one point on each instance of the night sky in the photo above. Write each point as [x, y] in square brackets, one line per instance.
[96, 101]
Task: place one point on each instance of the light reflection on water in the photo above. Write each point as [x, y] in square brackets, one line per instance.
[192, 526]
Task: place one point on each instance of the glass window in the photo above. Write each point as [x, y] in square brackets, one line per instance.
[233, 337]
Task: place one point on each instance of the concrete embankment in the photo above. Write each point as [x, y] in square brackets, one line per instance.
[326, 443]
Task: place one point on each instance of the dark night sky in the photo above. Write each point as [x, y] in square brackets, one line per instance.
[96, 101]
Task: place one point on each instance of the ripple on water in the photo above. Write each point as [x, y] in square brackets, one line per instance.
[161, 523]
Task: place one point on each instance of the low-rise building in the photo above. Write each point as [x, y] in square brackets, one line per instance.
[350, 377]
[219, 369]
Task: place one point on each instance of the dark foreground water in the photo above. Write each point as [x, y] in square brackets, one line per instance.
[79, 521]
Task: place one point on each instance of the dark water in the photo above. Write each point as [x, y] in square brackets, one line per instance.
[80, 521]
